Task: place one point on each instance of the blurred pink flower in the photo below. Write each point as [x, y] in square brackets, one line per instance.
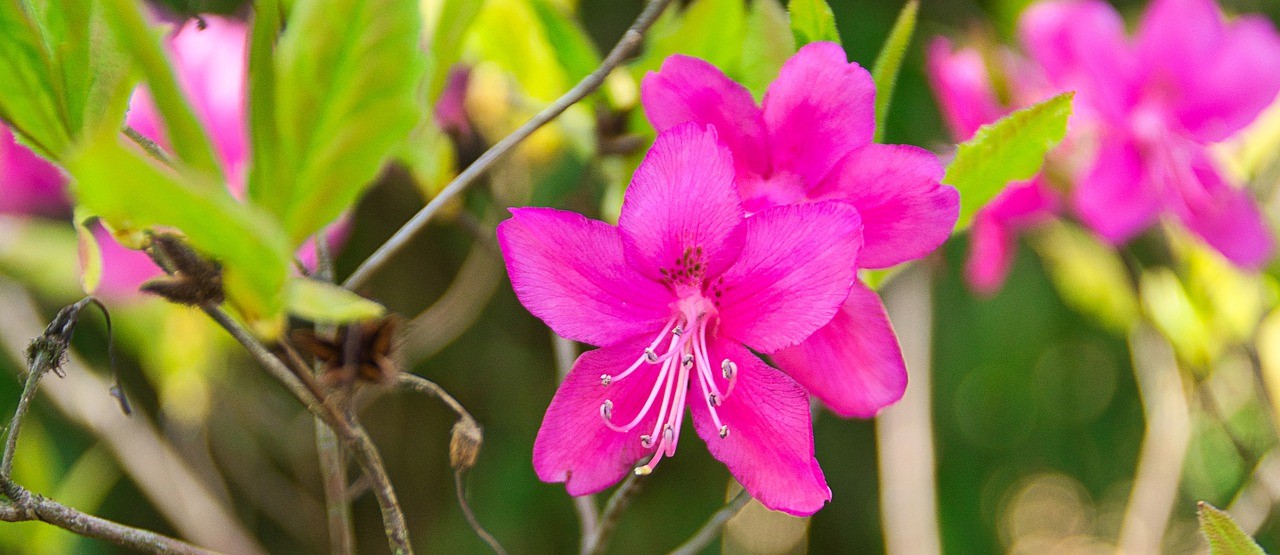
[811, 140]
[679, 293]
[29, 185]
[1146, 108]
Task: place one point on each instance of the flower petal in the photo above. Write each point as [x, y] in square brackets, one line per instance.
[795, 271]
[688, 89]
[1115, 198]
[1230, 221]
[769, 448]
[1232, 85]
[681, 214]
[1081, 45]
[962, 87]
[569, 271]
[853, 364]
[820, 107]
[906, 210]
[573, 445]
[993, 237]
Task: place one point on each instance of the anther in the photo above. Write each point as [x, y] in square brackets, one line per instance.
[728, 368]
[606, 379]
[606, 410]
[714, 400]
[724, 432]
[650, 355]
[678, 331]
[643, 471]
[687, 361]
[646, 441]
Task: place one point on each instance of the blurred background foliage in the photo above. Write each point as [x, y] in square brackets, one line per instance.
[1037, 416]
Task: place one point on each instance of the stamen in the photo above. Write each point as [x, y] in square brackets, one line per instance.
[678, 331]
[687, 360]
[727, 368]
[606, 379]
[724, 432]
[732, 377]
[648, 403]
[714, 400]
[650, 356]
[646, 441]
[606, 410]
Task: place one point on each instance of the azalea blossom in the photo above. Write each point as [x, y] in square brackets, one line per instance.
[677, 296]
[811, 140]
[1146, 110]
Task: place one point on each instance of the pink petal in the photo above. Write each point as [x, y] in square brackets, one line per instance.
[570, 272]
[1230, 221]
[1229, 88]
[852, 364]
[962, 87]
[769, 449]
[1116, 199]
[681, 214]
[692, 90]
[123, 270]
[573, 445]
[819, 108]
[993, 237]
[906, 211]
[794, 273]
[28, 183]
[211, 66]
[991, 248]
[1178, 35]
[1081, 45]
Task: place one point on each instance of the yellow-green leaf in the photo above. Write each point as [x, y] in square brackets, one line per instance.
[1224, 535]
[1011, 149]
[889, 62]
[90, 252]
[812, 21]
[320, 301]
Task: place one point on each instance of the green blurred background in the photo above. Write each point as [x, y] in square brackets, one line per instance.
[1036, 415]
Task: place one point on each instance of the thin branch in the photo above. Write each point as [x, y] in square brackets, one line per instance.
[330, 454]
[707, 534]
[45, 356]
[423, 385]
[904, 432]
[585, 505]
[626, 46]
[611, 515]
[156, 151]
[471, 517]
[1164, 446]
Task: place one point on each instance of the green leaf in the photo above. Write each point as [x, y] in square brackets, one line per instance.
[1010, 149]
[89, 251]
[347, 73]
[889, 62]
[29, 101]
[451, 23]
[128, 192]
[572, 46]
[707, 29]
[1224, 535]
[812, 21]
[190, 143]
[767, 43]
[510, 34]
[263, 135]
[327, 303]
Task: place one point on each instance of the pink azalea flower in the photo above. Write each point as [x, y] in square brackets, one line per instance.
[29, 185]
[1146, 108]
[677, 296]
[811, 140]
[962, 86]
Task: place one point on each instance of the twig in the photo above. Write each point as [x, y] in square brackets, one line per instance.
[611, 515]
[463, 448]
[351, 432]
[46, 354]
[330, 454]
[471, 517]
[626, 46]
[160, 473]
[705, 535]
[1164, 447]
[904, 432]
[155, 150]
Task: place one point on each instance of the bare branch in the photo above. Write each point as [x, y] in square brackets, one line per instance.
[626, 46]
[471, 517]
[611, 515]
[709, 531]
